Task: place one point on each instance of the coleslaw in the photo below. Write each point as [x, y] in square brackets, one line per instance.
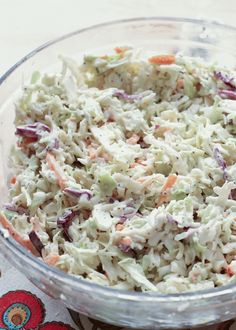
[124, 171]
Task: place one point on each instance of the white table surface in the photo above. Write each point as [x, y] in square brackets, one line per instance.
[25, 24]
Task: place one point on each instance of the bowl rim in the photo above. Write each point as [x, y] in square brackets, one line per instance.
[83, 284]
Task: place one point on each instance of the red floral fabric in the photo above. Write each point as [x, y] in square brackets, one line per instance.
[22, 310]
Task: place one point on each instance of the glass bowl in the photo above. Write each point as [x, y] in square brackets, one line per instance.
[208, 40]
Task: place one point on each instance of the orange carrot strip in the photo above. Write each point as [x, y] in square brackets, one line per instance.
[162, 59]
[92, 152]
[170, 182]
[180, 83]
[51, 259]
[126, 240]
[164, 192]
[137, 162]
[14, 234]
[54, 166]
[13, 179]
[120, 50]
[119, 227]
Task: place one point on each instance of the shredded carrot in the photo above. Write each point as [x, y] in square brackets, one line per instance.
[121, 50]
[164, 192]
[14, 234]
[119, 227]
[51, 259]
[92, 152]
[54, 166]
[13, 179]
[170, 182]
[138, 162]
[133, 139]
[180, 83]
[146, 181]
[162, 59]
[126, 240]
[229, 271]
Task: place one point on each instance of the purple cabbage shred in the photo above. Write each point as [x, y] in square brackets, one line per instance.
[65, 221]
[78, 193]
[221, 162]
[128, 213]
[127, 97]
[54, 145]
[124, 248]
[15, 208]
[227, 94]
[32, 130]
[225, 79]
[170, 219]
[233, 194]
[35, 240]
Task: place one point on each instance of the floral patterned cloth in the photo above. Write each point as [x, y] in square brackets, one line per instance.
[24, 307]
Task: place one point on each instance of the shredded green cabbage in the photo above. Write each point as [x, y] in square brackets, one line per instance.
[126, 171]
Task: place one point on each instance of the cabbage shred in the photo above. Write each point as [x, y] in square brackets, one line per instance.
[125, 170]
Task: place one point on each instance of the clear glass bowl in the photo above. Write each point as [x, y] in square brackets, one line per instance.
[209, 40]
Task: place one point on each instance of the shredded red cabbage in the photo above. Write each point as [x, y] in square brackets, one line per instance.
[36, 241]
[15, 208]
[32, 130]
[221, 162]
[227, 94]
[78, 193]
[54, 145]
[233, 194]
[128, 212]
[226, 80]
[65, 221]
[122, 95]
[124, 248]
